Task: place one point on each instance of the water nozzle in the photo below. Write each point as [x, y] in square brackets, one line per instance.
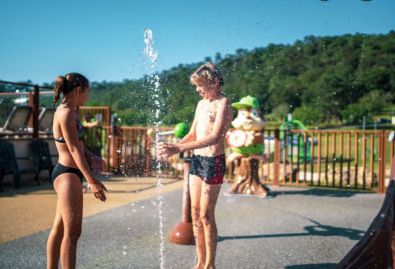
[179, 131]
[165, 133]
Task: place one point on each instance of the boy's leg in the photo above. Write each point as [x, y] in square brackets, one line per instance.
[195, 186]
[208, 201]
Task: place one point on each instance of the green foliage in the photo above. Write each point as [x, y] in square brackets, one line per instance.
[279, 112]
[370, 104]
[309, 115]
[318, 79]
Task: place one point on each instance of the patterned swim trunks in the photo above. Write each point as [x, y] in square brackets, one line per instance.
[211, 169]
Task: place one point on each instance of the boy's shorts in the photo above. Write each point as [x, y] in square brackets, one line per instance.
[210, 169]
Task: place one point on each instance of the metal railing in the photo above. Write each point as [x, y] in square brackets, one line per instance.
[351, 159]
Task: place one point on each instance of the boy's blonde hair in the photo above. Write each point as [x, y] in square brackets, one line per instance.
[208, 72]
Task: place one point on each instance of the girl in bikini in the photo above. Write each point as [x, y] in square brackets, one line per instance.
[68, 173]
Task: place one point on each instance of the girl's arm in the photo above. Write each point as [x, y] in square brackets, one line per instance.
[69, 131]
[218, 133]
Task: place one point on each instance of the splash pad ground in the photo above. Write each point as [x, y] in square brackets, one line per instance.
[293, 228]
[32, 208]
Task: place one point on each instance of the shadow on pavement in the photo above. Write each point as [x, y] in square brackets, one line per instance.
[312, 266]
[319, 192]
[313, 230]
[44, 188]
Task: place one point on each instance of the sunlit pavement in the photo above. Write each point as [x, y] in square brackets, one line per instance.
[294, 228]
[31, 208]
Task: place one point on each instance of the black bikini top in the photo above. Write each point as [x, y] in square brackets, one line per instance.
[80, 131]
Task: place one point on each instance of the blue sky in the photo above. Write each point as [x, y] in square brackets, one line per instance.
[103, 39]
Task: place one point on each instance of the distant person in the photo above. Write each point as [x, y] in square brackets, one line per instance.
[93, 133]
[69, 172]
[89, 121]
[212, 119]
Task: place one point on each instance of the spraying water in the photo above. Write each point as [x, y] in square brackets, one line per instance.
[152, 55]
[149, 50]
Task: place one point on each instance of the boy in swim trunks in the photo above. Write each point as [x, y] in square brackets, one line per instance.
[206, 138]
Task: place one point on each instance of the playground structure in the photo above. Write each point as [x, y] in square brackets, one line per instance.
[182, 232]
[294, 142]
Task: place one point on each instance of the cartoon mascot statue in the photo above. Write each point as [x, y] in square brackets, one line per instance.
[246, 141]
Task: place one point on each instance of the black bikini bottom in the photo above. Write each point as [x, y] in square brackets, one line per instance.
[61, 169]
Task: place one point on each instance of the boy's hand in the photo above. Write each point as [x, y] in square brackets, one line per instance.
[166, 150]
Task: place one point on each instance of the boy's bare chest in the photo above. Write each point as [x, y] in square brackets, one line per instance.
[207, 112]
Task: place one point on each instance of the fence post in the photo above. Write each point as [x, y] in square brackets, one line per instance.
[117, 137]
[147, 153]
[276, 156]
[381, 161]
[36, 104]
[392, 175]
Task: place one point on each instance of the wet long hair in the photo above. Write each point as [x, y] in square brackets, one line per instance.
[67, 83]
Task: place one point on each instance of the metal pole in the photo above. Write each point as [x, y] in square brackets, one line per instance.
[276, 156]
[381, 161]
[36, 105]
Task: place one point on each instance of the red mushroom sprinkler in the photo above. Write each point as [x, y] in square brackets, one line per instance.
[182, 232]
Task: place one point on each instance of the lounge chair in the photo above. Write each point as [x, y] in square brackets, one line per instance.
[41, 152]
[17, 121]
[45, 120]
[9, 164]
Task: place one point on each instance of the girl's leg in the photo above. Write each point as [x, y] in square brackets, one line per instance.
[55, 239]
[208, 202]
[195, 185]
[68, 187]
